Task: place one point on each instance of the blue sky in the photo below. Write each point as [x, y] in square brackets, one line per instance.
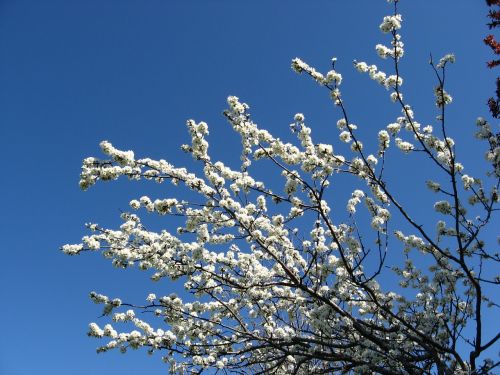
[73, 73]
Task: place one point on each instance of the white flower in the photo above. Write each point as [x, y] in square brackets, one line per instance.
[467, 181]
[432, 185]
[377, 223]
[235, 105]
[121, 157]
[384, 140]
[361, 66]
[95, 331]
[300, 66]
[335, 95]
[333, 76]
[394, 128]
[442, 97]
[427, 129]
[299, 117]
[147, 203]
[355, 199]
[345, 136]
[395, 96]
[357, 146]
[91, 242]
[72, 249]
[372, 159]
[393, 81]
[404, 146]
[135, 204]
[445, 59]
[391, 23]
[383, 51]
[443, 207]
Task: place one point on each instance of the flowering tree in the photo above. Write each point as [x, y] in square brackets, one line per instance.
[282, 283]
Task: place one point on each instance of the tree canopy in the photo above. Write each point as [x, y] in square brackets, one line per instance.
[288, 279]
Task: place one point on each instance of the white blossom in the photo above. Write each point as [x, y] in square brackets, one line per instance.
[403, 145]
[443, 207]
[442, 97]
[432, 185]
[449, 58]
[391, 23]
[345, 136]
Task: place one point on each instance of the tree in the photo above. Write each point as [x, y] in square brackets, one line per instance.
[494, 103]
[289, 281]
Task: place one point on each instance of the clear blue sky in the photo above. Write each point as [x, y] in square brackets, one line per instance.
[75, 72]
